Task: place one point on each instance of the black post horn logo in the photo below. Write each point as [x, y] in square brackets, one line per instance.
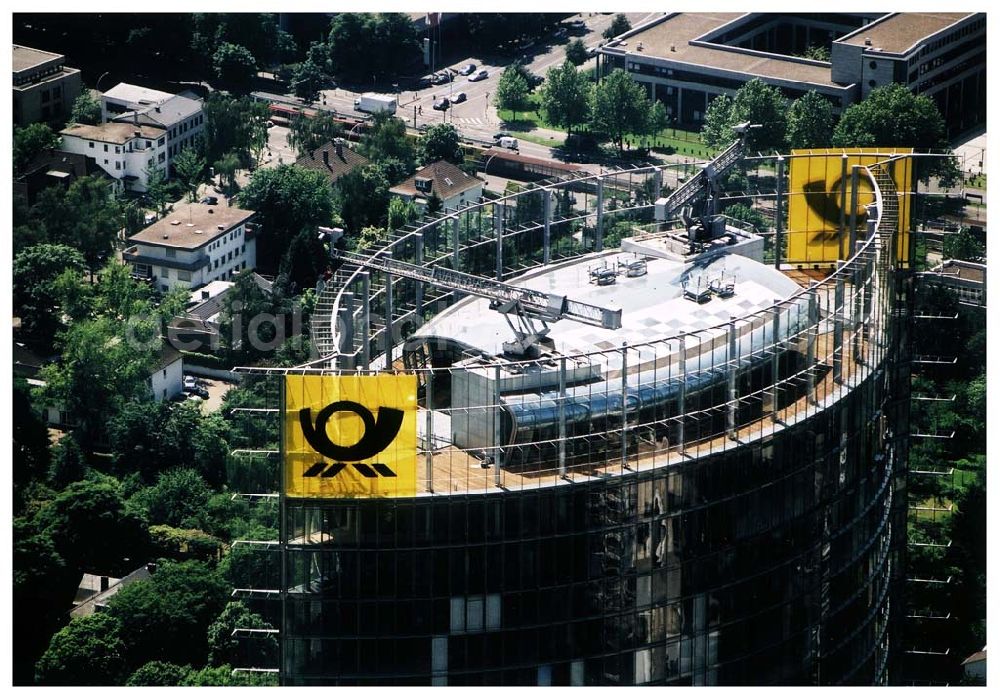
[377, 436]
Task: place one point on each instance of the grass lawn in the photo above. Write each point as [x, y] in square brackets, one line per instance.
[522, 122]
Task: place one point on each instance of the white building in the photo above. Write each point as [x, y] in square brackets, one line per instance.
[180, 117]
[193, 245]
[126, 152]
[166, 380]
[451, 184]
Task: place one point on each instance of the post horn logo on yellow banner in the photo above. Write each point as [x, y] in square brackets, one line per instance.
[819, 201]
[350, 436]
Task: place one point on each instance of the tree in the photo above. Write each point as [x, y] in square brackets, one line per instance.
[362, 198]
[31, 444]
[817, 52]
[177, 499]
[234, 125]
[306, 134]
[88, 651]
[223, 676]
[307, 80]
[68, 464]
[166, 616]
[748, 215]
[99, 369]
[566, 97]
[246, 302]
[386, 139]
[91, 530]
[158, 673]
[619, 25]
[44, 587]
[235, 67]
[511, 91]
[226, 167]
[287, 200]
[810, 122]
[440, 142]
[86, 109]
[963, 246]
[97, 218]
[893, 116]
[157, 190]
[190, 167]
[401, 212]
[434, 204]
[755, 102]
[619, 107]
[30, 141]
[222, 647]
[305, 260]
[576, 52]
[369, 46]
[36, 300]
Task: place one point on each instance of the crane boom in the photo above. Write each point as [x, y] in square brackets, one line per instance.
[504, 297]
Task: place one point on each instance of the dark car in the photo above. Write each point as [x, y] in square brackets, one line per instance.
[467, 69]
[210, 200]
[459, 97]
[442, 104]
[501, 134]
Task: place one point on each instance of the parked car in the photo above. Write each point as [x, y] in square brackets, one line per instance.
[467, 69]
[499, 135]
[441, 78]
[442, 104]
[210, 200]
[481, 75]
[560, 33]
[459, 97]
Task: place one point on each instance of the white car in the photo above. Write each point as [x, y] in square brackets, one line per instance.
[481, 75]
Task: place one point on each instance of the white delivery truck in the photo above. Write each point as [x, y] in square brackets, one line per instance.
[374, 102]
[507, 142]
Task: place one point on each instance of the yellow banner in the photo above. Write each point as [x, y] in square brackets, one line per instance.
[819, 198]
[350, 436]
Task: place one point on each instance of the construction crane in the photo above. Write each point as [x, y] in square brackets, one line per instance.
[706, 182]
[521, 307]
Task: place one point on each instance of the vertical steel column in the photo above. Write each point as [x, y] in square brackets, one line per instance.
[547, 220]
[282, 539]
[843, 201]
[838, 326]
[624, 455]
[599, 230]
[456, 244]
[390, 333]
[779, 211]
[681, 395]
[418, 296]
[366, 318]
[775, 359]
[813, 316]
[732, 364]
[562, 416]
[862, 309]
[853, 233]
[497, 437]
[429, 403]
[346, 322]
[498, 227]
[657, 183]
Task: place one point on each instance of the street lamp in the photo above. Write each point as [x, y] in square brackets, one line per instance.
[97, 87]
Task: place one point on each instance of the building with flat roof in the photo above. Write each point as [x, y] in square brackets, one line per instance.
[126, 152]
[688, 59]
[44, 86]
[193, 245]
